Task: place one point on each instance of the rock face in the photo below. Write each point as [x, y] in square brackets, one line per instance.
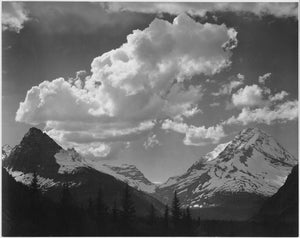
[283, 205]
[55, 166]
[6, 149]
[236, 174]
[133, 176]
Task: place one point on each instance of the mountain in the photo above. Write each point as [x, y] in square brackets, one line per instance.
[55, 166]
[283, 205]
[6, 149]
[232, 181]
[131, 175]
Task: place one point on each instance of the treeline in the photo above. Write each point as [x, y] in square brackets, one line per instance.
[27, 212]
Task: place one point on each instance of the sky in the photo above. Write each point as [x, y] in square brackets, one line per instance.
[157, 85]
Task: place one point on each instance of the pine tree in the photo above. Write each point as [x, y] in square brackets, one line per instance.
[166, 218]
[152, 215]
[188, 222]
[101, 209]
[35, 204]
[34, 183]
[176, 214]
[128, 211]
[115, 212]
[65, 210]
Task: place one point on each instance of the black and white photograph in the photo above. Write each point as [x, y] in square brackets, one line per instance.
[149, 119]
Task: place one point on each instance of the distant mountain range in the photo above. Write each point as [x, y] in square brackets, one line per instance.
[231, 182]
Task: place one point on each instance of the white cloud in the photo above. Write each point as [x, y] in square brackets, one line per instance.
[151, 141]
[248, 96]
[200, 8]
[284, 112]
[227, 88]
[197, 136]
[13, 16]
[135, 84]
[240, 77]
[262, 79]
[278, 96]
[191, 111]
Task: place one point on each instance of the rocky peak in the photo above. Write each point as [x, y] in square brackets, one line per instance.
[35, 153]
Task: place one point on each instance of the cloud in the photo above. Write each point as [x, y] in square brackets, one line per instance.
[278, 96]
[214, 104]
[13, 16]
[201, 8]
[248, 96]
[262, 79]
[227, 88]
[281, 113]
[197, 136]
[151, 141]
[142, 81]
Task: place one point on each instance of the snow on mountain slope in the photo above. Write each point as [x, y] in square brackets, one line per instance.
[6, 149]
[69, 161]
[129, 174]
[253, 162]
[38, 152]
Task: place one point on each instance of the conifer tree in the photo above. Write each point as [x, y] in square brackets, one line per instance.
[115, 212]
[188, 222]
[152, 215]
[166, 218]
[101, 209]
[101, 212]
[128, 210]
[176, 214]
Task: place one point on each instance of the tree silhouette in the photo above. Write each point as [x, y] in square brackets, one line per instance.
[65, 210]
[176, 214]
[188, 222]
[35, 203]
[128, 211]
[152, 215]
[114, 212]
[166, 219]
[101, 212]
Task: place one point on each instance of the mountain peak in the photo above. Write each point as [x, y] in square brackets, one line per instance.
[33, 131]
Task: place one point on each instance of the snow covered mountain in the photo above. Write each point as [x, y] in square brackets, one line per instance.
[131, 175]
[38, 150]
[55, 166]
[252, 164]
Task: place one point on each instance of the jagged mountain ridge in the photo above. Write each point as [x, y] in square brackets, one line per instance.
[131, 175]
[55, 166]
[252, 163]
[61, 161]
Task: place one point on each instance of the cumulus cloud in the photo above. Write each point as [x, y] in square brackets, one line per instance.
[283, 112]
[262, 79]
[259, 105]
[248, 96]
[151, 141]
[197, 136]
[134, 85]
[201, 8]
[14, 16]
[227, 88]
[278, 96]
